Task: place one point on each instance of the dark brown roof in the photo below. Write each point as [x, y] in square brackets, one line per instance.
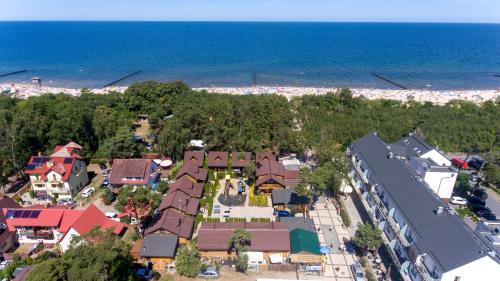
[217, 159]
[259, 156]
[130, 168]
[187, 186]
[195, 172]
[194, 158]
[269, 179]
[267, 167]
[180, 201]
[243, 162]
[265, 236]
[174, 222]
[6, 202]
[292, 178]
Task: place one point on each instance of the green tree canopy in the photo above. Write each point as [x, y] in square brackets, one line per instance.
[367, 237]
[187, 261]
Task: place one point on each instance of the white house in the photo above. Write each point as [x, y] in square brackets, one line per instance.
[62, 174]
[424, 237]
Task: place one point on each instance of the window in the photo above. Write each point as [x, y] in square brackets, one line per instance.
[54, 177]
[457, 278]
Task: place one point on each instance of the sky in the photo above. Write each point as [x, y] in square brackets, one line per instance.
[481, 11]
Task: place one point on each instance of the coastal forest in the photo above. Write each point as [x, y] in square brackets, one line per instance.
[324, 125]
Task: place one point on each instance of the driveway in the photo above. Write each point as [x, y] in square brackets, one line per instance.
[493, 201]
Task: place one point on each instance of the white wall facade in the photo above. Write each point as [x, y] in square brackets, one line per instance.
[484, 269]
[441, 183]
[437, 157]
[64, 189]
[66, 241]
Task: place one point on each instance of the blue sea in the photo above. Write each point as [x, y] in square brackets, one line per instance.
[92, 54]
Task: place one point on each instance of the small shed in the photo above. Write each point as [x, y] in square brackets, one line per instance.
[304, 247]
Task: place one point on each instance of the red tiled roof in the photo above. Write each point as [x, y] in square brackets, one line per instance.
[173, 222]
[55, 164]
[195, 172]
[6, 202]
[265, 237]
[64, 219]
[240, 163]
[46, 218]
[266, 155]
[130, 168]
[93, 217]
[71, 149]
[194, 158]
[217, 159]
[267, 167]
[187, 186]
[180, 201]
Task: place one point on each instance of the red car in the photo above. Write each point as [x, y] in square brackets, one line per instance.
[459, 163]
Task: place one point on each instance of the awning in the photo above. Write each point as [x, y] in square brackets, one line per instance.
[276, 258]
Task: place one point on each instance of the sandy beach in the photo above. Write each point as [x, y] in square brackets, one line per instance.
[20, 90]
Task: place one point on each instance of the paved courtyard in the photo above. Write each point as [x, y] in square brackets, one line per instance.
[332, 233]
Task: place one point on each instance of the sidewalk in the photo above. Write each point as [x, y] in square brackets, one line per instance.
[332, 233]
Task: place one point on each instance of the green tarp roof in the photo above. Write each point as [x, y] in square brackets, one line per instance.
[304, 241]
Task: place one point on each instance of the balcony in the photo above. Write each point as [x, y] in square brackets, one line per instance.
[426, 275]
[355, 164]
[395, 227]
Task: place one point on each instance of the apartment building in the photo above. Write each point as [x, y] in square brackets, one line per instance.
[426, 239]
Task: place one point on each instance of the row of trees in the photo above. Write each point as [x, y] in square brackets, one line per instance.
[325, 125]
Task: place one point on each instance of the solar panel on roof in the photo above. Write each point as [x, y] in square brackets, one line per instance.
[45, 159]
[26, 214]
[68, 160]
[37, 160]
[17, 213]
[35, 214]
[30, 167]
[10, 214]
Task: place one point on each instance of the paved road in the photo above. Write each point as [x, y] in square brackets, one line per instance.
[493, 201]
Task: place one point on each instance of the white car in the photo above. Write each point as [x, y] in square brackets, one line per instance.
[112, 215]
[458, 200]
[87, 192]
[4, 264]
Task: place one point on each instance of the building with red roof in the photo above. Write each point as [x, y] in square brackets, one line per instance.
[218, 159]
[180, 201]
[56, 225]
[134, 172]
[7, 237]
[193, 189]
[62, 174]
[194, 158]
[240, 160]
[266, 237]
[192, 173]
[171, 221]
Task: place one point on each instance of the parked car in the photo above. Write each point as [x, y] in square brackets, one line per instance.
[4, 264]
[209, 273]
[489, 215]
[282, 213]
[87, 192]
[66, 201]
[478, 208]
[216, 209]
[459, 163]
[481, 193]
[112, 215]
[144, 273]
[476, 163]
[105, 181]
[476, 201]
[103, 166]
[357, 272]
[458, 200]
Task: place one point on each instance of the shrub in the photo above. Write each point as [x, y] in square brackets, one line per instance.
[32, 193]
[345, 217]
[211, 176]
[108, 197]
[199, 218]
[235, 219]
[175, 169]
[221, 175]
[260, 219]
[211, 219]
[370, 276]
[126, 220]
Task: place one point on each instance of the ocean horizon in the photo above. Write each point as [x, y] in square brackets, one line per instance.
[91, 54]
